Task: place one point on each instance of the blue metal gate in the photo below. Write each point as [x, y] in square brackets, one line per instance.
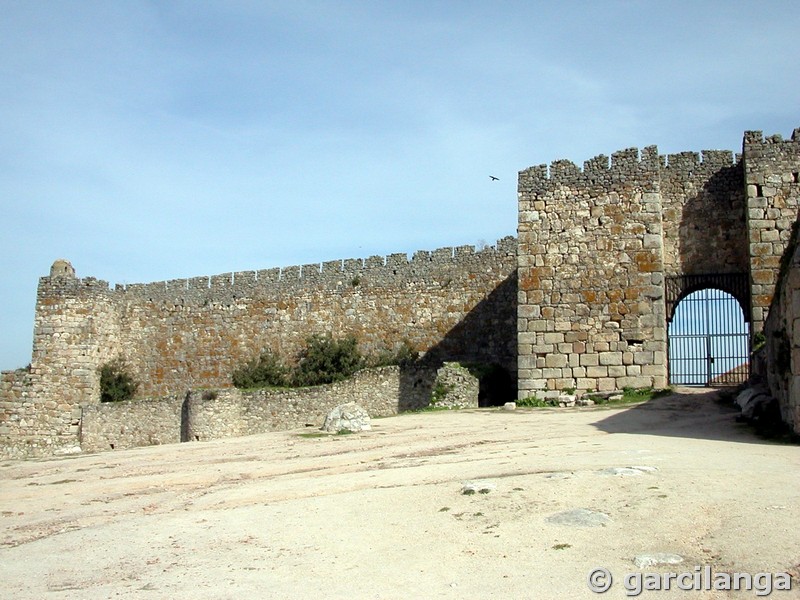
[708, 340]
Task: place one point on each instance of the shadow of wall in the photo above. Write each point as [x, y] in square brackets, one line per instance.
[485, 340]
[703, 415]
[712, 231]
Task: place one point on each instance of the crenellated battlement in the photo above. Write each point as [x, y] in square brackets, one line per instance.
[625, 165]
[628, 166]
[195, 331]
[374, 271]
[752, 138]
[690, 163]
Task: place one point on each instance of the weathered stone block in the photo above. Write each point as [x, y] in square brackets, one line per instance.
[589, 360]
[634, 382]
[597, 371]
[654, 370]
[652, 241]
[553, 338]
[555, 360]
[610, 358]
[606, 385]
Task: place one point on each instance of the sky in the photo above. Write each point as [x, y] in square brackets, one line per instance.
[145, 141]
[707, 323]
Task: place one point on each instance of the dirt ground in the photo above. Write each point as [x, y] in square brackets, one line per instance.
[383, 515]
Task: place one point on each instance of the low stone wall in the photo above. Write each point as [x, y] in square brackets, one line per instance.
[31, 426]
[232, 412]
[214, 414]
[455, 387]
[120, 425]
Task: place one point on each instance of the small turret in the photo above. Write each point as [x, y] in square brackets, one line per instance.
[62, 268]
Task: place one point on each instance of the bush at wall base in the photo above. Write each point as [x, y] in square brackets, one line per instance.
[116, 382]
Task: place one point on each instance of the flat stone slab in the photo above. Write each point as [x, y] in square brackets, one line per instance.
[580, 517]
[477, 487]
[627, 471]
[559, 475]
[656, 558]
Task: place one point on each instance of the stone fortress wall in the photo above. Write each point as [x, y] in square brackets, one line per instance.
[577, 301]
[779, 361]
[596, 246]
[454, 304]
[772, 179]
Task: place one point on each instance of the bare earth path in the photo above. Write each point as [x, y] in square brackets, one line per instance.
[382, 514]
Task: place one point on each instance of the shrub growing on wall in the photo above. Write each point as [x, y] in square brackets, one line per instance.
[326, 360]
[265, 371]
[116, 382]
[323, 360]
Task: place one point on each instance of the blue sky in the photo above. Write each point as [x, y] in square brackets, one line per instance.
[155, 140]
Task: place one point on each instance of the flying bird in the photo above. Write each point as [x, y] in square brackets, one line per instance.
[493, 178]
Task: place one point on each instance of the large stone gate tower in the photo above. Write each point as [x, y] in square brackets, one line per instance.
[605, 253]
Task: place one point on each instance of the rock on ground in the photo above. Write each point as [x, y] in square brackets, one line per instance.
[347, 417]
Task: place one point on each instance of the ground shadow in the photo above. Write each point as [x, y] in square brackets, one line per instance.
[701, 413]
[185, 418]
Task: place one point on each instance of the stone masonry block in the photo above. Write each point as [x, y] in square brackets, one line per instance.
[611, 358]
[597, 371]
[617, 371]
[606, 385]
[537, 325]
[653, 370]
[555, 360]
[635, 382]
[553, 338]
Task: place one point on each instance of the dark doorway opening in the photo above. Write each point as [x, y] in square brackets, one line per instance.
[497, 386]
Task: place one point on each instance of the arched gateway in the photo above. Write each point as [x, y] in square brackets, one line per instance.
[708, 336]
